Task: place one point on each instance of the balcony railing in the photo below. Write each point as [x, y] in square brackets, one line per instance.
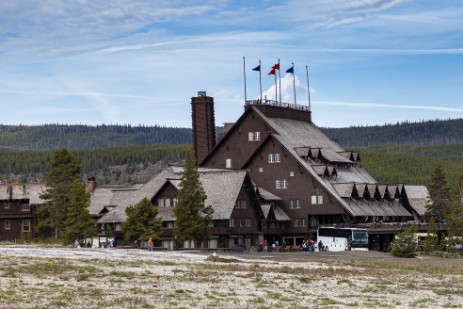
[278, 104]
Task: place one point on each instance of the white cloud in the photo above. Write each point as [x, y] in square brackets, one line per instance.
[391, 106]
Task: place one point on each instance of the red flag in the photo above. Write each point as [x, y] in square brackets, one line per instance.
[276, 66]
[272, 72]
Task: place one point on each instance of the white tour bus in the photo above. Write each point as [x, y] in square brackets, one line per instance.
[342, 239]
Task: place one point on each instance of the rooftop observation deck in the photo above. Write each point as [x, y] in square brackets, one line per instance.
[277, 104]
[275, 109]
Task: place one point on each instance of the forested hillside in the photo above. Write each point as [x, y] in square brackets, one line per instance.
[436, 132]
[57, 136]
[110, 165]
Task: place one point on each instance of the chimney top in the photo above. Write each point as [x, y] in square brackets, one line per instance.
[201, 93]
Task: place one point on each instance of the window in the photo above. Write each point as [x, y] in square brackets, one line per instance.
[291, 174]
[240, 204]
[294, 203]
[25, 225]
[7, 205]
[175, 200]
[281, 184]
[231, 222]
[170, 224]
[117, 227]
[317, 199]
[274, 158]
[248, 222]
[228, 163]
[160, 202]
[241, 223]
[254, 136]
[7, 224]
[25, 207]
[261, 169]
[299, 222]
[251, 136]
[167, 202]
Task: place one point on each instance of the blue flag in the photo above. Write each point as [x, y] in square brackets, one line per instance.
[290, 70]
[257, 68]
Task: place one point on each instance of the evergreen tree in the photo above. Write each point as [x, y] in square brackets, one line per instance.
[192, 215]
[432, 240]
[78, 224]
[455, 218]
[405, 245]
[142, 221]
[65, 169]
[440, 196]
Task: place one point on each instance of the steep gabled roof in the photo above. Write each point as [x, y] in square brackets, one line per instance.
[221, 187]
[296, 134]
[29, 192]
[418, 197]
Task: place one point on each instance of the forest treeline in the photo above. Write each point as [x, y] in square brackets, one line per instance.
[58, 136]
[434, 132]
[32, 163]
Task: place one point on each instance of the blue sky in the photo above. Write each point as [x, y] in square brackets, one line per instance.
[140, 62]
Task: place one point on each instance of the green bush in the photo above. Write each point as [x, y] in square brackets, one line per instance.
[405, 244]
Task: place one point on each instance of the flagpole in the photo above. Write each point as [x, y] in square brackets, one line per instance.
[294, 85]
[276, 88]
[279, 77]
[244, 73]
[308, 85]
[260, 81]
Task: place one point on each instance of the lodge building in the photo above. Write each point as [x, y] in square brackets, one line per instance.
[273, 175]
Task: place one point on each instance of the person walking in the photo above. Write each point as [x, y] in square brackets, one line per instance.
[150, 244]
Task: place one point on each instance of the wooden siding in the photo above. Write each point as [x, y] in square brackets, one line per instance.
[11, 212]
[203, 126]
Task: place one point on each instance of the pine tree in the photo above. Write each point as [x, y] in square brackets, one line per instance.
[455, 218]
[78, 224]
[65, 169]
[142, 221]
[192, 215]
[432, 237]
[440, 196]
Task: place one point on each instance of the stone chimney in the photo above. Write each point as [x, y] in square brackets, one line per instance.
[202, 110]
[90, 185]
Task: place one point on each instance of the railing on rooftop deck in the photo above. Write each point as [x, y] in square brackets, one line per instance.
[276, 103]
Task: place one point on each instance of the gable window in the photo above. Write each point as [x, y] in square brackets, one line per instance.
[175, 200]
[294, 203]
[274, 158]
[299, 222]
[317, 199]
[261, 169]
[25, 225]
[160, 202]
[231, 222]
[281, 184]
[167, 202]
[228, 163]
[248, 222]
[117, 227]
[291, 174]
[240, 204]
[7, 224]
[254, 136]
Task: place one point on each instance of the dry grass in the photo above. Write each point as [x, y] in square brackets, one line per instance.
[136, 279]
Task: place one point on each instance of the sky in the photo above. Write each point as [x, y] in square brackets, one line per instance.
[139, 62]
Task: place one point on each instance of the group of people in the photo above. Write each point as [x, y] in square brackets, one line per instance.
[306, 246]
[275, 247]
